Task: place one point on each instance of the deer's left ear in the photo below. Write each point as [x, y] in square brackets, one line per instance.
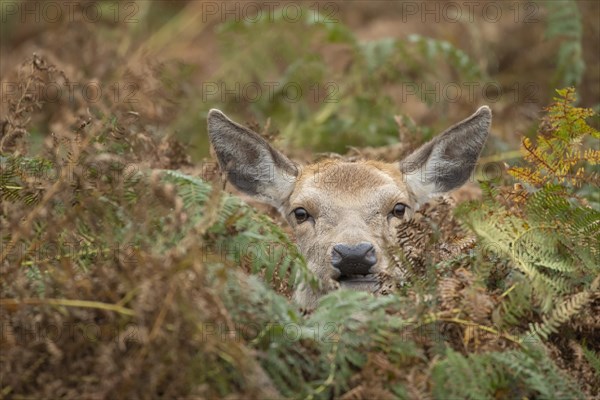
[446, 162]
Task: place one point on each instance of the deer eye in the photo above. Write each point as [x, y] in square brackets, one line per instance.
[301, 215]
[399, 210]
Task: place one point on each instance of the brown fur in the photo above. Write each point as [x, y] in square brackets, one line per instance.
[352, 202]
[348, 202]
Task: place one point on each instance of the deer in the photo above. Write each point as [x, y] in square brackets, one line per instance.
[343, 214]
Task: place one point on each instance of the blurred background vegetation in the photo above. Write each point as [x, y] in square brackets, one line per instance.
[328, 75]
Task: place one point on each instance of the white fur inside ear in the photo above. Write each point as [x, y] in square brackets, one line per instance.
[422, 191]
[276, 188]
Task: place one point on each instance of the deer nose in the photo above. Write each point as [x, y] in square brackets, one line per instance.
[353, 260]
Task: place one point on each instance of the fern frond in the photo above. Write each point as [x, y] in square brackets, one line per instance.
[516, 305]
[258, 240]
[593, 358]
[561, 314]
[509, 374]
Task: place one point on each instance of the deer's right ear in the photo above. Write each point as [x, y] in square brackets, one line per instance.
[251, 164]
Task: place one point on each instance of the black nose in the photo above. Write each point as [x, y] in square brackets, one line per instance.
[353, 260]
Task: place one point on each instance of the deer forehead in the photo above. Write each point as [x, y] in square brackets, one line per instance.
[333, 183]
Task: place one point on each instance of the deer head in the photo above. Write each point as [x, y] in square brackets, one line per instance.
[344, 214]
